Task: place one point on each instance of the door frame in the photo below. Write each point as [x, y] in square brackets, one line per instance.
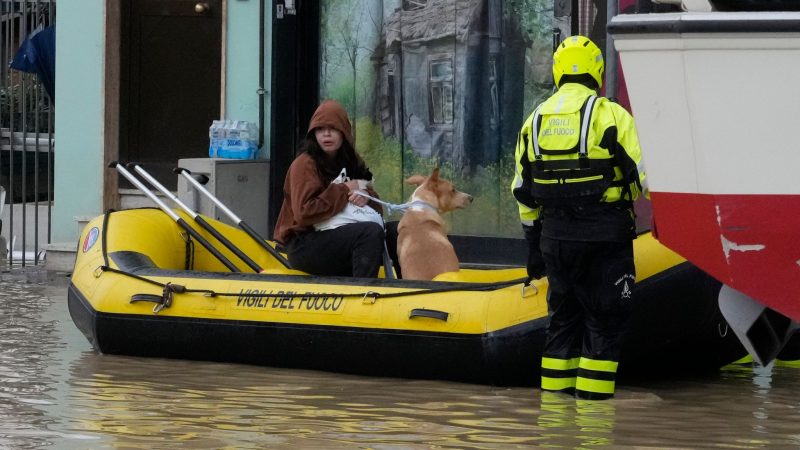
[115, 28]
[294, 88]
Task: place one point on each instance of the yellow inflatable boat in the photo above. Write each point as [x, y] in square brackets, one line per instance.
[141, 286]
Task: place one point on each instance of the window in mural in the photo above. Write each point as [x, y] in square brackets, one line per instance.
[441, 89]
[442, 83]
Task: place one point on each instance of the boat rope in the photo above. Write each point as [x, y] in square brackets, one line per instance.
[104, 244]
[169, 289]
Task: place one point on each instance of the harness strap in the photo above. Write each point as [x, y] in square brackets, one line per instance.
[536, 122]
[583, 147]
[587, 115]
[565, 164]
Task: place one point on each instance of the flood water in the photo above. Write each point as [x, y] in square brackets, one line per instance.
[56, 392]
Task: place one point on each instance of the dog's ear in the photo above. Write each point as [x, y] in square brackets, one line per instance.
[415, 180]
[435, 174]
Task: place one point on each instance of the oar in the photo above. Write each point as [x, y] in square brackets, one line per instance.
[175, 217]
[197, 218]
[187, 174]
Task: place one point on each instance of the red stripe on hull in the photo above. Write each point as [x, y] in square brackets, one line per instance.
[749, 242]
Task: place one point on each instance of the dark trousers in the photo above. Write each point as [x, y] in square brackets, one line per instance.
[589, 298]
[354, 249]
[391, 246]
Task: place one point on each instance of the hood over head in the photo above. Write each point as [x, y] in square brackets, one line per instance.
[331, 113]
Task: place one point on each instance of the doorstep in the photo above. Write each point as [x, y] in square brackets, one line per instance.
[60, 256]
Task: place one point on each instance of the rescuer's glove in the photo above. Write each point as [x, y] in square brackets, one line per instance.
[533, 234]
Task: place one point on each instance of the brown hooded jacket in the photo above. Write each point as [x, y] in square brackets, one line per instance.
[307, 197]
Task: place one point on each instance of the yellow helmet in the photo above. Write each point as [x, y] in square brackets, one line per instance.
[578, 55]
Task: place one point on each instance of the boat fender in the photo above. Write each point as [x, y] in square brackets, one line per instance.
[429, 313]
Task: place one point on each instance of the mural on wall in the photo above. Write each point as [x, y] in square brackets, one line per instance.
[443, 83]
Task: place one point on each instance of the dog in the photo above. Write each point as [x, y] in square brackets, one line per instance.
[423, 249]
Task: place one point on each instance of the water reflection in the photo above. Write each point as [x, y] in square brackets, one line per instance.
[139, 402]
[31, 353]
[588, 423]
[55, 391]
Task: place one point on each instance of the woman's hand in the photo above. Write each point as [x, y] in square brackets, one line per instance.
[352, 185]
[358, 200]
[352, 197]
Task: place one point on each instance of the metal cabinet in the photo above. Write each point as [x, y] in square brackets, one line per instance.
[241, 185]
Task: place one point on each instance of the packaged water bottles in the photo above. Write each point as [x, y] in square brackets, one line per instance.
[216, 133]
[236, 139]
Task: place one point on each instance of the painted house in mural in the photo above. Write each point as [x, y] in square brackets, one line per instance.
[450, 79]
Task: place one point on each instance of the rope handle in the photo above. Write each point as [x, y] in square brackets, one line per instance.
[169, 289]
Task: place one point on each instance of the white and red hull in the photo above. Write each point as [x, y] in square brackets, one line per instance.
[745, 241]
[716, 97]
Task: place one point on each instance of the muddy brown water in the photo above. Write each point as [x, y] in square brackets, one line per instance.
[56, 392]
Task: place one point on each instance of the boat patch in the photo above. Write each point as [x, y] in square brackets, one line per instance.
[267, 299]
[90, 239]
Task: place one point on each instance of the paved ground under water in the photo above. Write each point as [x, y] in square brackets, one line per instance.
[56, 392]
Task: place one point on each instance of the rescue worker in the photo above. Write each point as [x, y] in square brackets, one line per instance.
[578, 171]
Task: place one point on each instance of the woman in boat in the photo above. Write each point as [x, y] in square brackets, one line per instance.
[311, 197]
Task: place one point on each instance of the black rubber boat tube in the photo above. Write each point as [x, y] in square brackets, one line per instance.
[182, 223]
[186, 173]
[197, 218]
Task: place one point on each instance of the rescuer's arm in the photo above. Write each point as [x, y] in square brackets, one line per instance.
[630, 158]
[528, 209]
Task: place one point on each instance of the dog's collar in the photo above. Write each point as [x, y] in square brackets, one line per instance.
[419, 205]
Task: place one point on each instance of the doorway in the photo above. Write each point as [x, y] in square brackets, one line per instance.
[170, 82]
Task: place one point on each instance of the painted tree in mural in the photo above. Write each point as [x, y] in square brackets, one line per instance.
[348, 35]
[535, 19]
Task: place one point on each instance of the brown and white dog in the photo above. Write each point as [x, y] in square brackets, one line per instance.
[423, 249]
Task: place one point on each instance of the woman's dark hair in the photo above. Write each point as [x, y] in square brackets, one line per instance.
[346, 157]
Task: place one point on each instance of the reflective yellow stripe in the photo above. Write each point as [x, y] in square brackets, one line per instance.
[583, 179]
[795, 363]
[598, 365]
[559, 364]
[540, 181]
[597, 386]
[557, 384]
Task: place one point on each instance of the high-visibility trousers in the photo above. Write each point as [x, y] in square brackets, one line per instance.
[589, 298]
